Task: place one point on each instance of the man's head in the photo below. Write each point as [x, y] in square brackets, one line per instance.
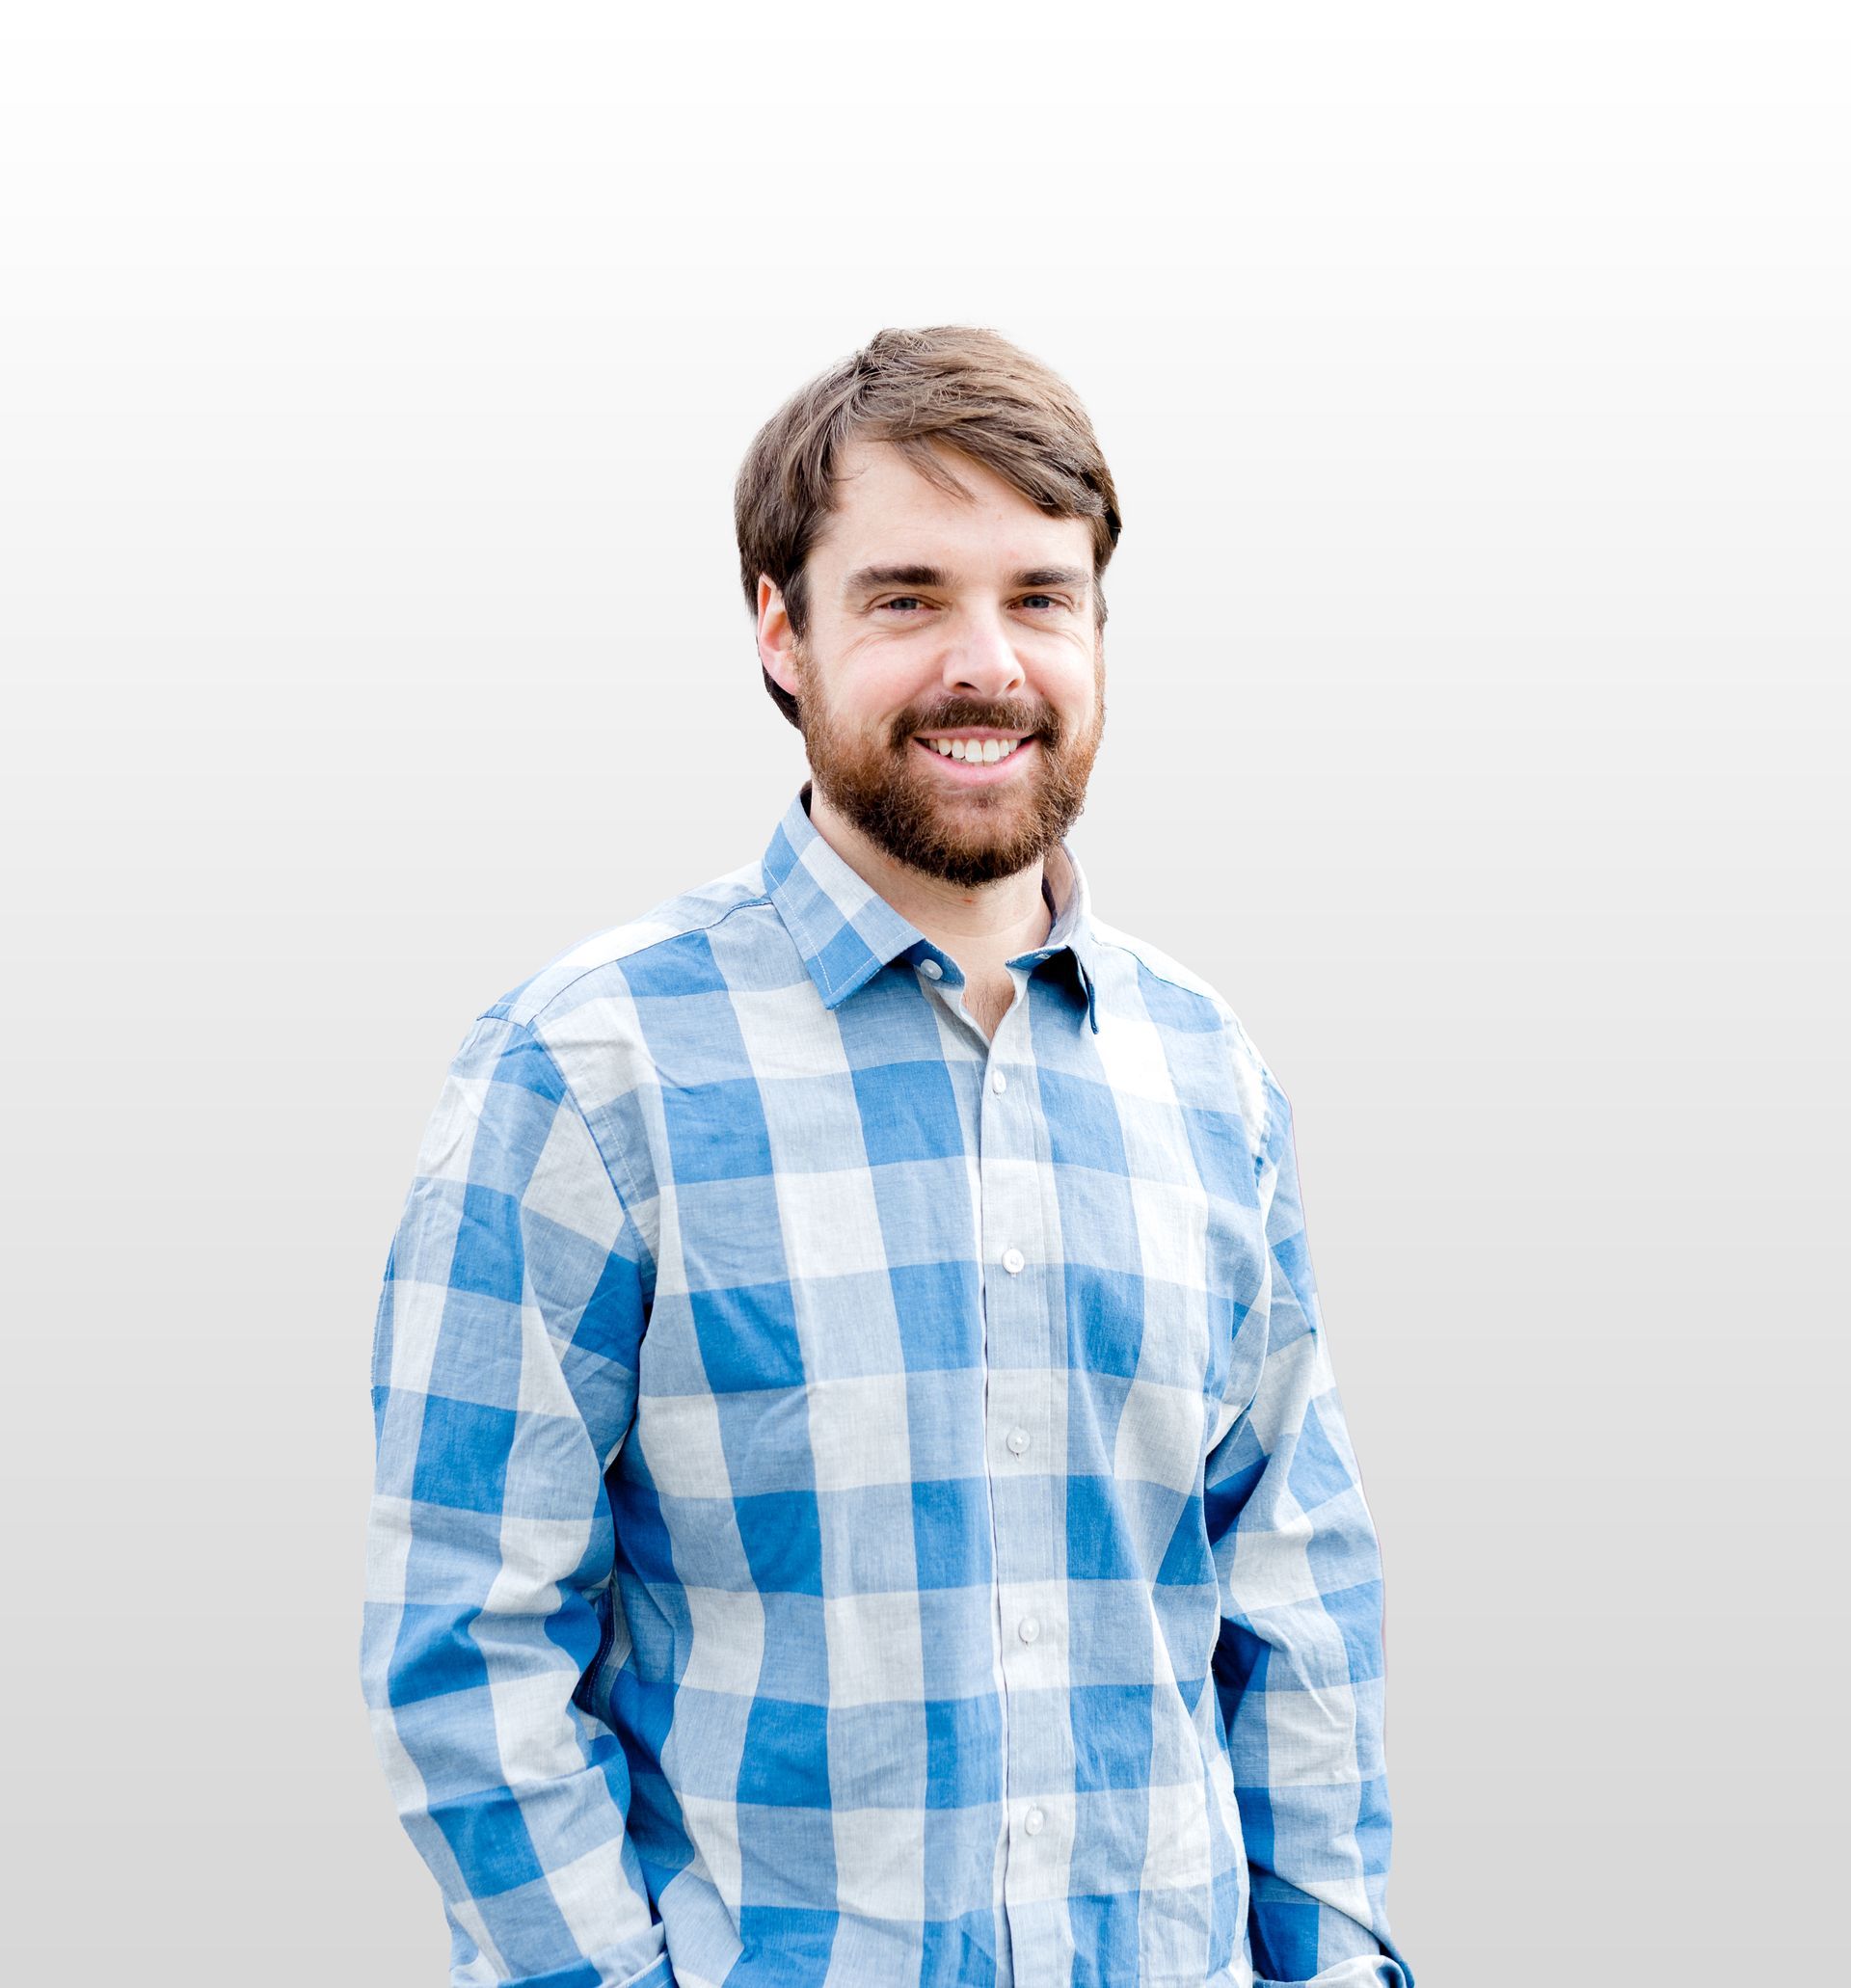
[922, 533]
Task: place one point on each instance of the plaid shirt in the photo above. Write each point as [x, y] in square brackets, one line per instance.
[862, 1503]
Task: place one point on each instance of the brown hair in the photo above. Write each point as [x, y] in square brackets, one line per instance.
[956, 385]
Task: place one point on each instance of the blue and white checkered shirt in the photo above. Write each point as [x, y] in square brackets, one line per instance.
[862, 1503]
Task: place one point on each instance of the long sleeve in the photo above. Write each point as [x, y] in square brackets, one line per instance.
[504, 1378]
[1299, 1662]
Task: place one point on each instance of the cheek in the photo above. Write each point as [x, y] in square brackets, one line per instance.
[1075, 692]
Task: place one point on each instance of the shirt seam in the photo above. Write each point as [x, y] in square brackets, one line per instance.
[599, 966]
[611, 1164]
[1231, 1024]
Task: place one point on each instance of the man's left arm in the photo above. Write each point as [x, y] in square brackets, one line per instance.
[1298, 1663]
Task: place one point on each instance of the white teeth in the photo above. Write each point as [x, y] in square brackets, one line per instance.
[974, 751]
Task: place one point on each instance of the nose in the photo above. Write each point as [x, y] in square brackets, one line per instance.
[982, 659]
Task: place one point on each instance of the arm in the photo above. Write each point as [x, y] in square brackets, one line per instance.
[504, 1377]
[1299, 1664]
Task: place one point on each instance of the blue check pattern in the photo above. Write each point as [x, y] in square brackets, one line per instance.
[862, 1503]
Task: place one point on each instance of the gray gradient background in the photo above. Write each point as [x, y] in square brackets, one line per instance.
[1475, 379]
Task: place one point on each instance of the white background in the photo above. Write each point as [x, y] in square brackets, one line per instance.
[1475, 379]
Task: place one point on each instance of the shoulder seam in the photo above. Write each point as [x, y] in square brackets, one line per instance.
[1268, 1083]
[636, 952]
[1202, 990]
[1126, 943]
[612, 1169]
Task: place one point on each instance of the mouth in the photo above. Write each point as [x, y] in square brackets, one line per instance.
[977, 758]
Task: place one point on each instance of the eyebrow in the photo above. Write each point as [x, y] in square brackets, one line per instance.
[866, 579]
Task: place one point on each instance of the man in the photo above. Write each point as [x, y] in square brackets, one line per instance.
[862, 1498]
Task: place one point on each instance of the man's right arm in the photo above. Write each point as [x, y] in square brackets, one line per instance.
[504, 1378]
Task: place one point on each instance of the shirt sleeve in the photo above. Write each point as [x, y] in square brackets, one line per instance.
[1298, 1662]
[504, 1379]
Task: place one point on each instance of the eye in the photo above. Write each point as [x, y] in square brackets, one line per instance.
[1053, 600]
[901, 601]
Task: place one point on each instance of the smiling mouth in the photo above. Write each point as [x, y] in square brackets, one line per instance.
[977, 772]
[967, 751]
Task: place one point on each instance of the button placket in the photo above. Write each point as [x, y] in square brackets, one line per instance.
[1014, 1222]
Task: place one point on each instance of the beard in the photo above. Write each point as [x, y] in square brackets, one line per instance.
[967, 836]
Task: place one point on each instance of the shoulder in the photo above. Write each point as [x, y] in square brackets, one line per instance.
[1174, 997]
[666, 947]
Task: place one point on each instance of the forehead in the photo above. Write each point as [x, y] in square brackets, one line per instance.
[886, 511]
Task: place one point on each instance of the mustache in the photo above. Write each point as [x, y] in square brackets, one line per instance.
[961, 714]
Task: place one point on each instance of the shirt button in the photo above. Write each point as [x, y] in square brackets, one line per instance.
[1031, 1822]
[1017, 1440]
[1013, 1260]
[931, 968]
[998, 1081]
[1029, 1629]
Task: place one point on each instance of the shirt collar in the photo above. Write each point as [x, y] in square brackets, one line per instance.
[845, 931]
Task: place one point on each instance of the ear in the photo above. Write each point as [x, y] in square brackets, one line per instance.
[777, 639]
